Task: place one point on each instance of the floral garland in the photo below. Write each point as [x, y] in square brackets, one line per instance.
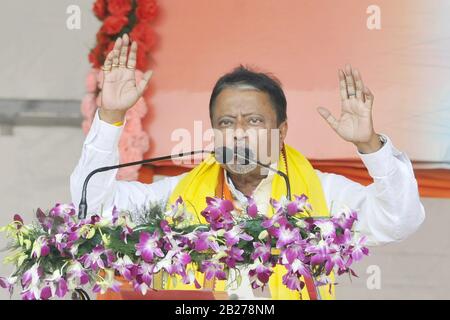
[133, 17]
[60, 253]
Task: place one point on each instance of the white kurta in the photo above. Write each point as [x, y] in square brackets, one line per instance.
[389, 209]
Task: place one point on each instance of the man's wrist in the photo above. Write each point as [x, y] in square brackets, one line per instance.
[373, 145]
[111, 116]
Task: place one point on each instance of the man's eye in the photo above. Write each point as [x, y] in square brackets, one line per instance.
[255, 121]
[225, 122]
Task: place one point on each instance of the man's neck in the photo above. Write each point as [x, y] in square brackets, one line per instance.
[246, 183]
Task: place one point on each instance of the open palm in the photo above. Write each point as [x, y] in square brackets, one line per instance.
[120, 91]
[355, 123]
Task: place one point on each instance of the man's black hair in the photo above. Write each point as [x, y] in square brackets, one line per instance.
[258, 80]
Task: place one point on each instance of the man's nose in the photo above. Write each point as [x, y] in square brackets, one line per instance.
[240, 131]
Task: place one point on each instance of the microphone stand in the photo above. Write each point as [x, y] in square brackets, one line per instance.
[82, 208]
[280, 173]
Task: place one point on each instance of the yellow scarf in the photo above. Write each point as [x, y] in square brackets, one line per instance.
[201, 182]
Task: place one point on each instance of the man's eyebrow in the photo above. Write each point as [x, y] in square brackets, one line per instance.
[244, 115]
[226, 115]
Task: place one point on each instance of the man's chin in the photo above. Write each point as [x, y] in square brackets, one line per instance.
[240, 169]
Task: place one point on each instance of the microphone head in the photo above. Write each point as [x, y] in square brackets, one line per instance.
[223, 154]
[243, 155]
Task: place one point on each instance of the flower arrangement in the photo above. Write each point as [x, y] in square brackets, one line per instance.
[59, 253]
[134, 17]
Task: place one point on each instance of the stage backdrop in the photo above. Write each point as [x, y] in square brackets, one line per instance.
[405, 63]
[303, 42]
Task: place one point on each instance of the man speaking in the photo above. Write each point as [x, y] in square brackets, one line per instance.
[246, 101]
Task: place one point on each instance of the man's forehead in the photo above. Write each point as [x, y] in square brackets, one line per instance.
[242, 99]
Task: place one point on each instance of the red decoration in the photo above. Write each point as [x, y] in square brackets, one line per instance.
[99, 9]
[125, 16]
[146, 10]
[119, 8]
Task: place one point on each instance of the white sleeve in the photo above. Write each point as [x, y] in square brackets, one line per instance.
[101, 149]
[389, 209]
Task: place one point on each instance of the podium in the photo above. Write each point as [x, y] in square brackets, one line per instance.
[127, 292]
[174, 295]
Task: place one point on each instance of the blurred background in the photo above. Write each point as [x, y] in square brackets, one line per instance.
[49, 82]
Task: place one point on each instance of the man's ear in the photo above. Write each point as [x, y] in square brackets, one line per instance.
[283, 128]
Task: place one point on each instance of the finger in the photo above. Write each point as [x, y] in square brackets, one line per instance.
[124, 51]
[132, 56]
[326, 114]
[359, 85]
[144, 82]
[108, 62]
[368, 96]
[350, 81]
[116, 52]
[342, 85]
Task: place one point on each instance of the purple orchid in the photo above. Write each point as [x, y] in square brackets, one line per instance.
[319, 252]
[144, 275]
[205, 240]
[30, 294]
[148, 246]
[8, 283]
[64, 211]
[125, 267]
[234, 254]
[31, 277]
[76, 275]
[94, 260]
[292, 281]
[126, 231]
[262, 251]
[107, 283]
[40, 248]
[259, 275]
[213, 269]
[327, 228]
[286, 235]
[359, 250]
[234, 235]
[218, 213]
[345, 219]
[299, 205]
[252, 209]
[46, 293]
[58, 284]
[277, 219]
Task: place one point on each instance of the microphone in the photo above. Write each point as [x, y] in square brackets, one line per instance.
[224, 155]
[82, 208]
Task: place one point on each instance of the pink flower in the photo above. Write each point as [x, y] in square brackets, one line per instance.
[94, 260]
[234, 235]
[259, 276]
[148, 246]
[286, 235]
[40, 248]
[261, 251]
[125, 267]
[233, 255]
[218, 213]
[292, 281]
[205, 240]
[252, 209]
[300, 204]
[213, 269]
[358, 248]
[76, 274]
